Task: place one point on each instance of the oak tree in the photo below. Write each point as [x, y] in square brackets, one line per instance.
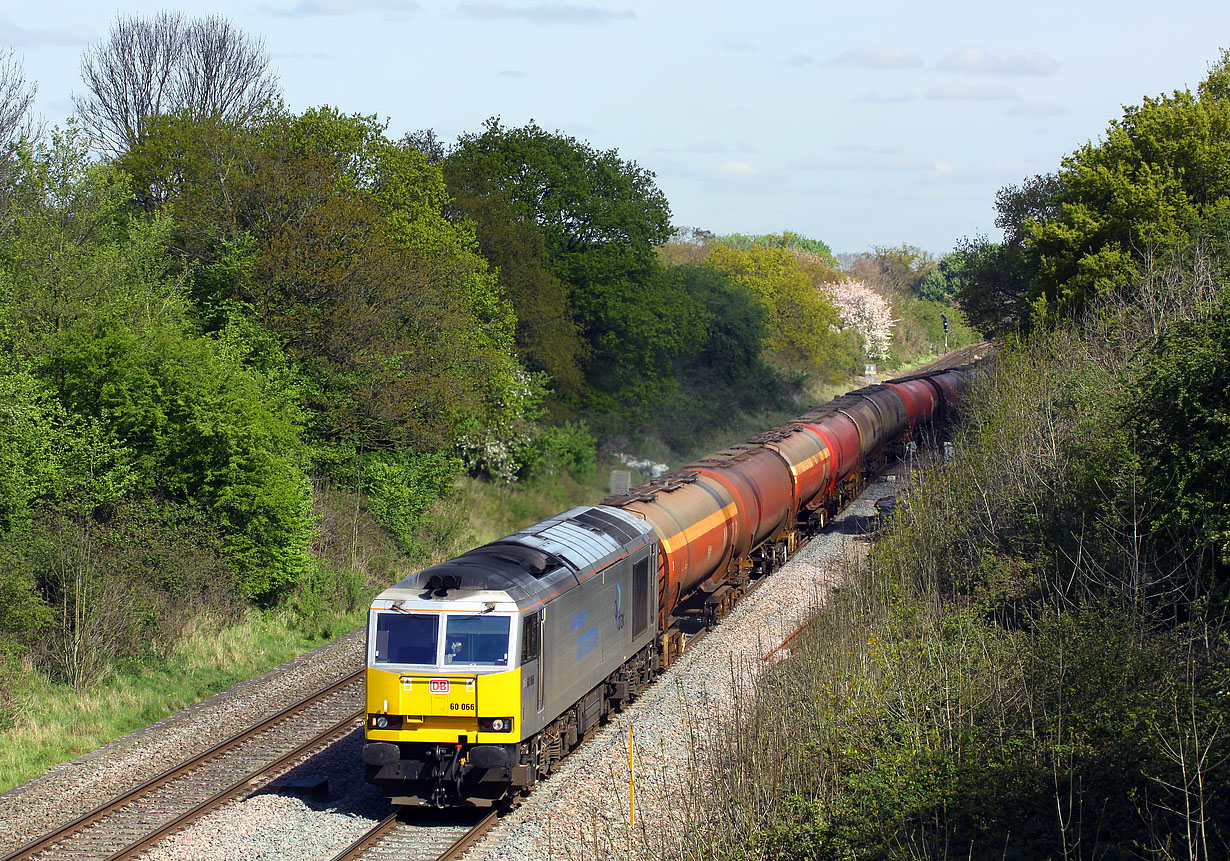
[601, 217]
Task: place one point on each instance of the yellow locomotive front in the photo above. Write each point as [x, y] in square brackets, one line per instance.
[443, 698]
[481, 670]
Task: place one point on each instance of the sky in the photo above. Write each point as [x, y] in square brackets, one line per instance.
[862, 125]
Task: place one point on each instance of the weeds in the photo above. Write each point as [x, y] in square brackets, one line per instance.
[1032, 661]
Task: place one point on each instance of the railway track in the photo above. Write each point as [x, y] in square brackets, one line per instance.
[957, 358]
[129, 824]
[417, 835]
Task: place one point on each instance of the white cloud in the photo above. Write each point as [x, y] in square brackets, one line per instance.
[977, 60]
[544, 13]
[942, 167]
[968, 93]
[879, 57]
[801, 60]
[737, 170]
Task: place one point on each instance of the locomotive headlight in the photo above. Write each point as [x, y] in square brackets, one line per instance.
[500, 724]
[382, 722]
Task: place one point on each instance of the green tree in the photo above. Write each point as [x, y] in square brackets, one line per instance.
[548, 339]
[1159, 177]
[736, 330]
[147, 406]
[994, 288]
[895, 272]
[601, 217]
[786, 239]
[801, 323]
[335, 238]
[29, 438]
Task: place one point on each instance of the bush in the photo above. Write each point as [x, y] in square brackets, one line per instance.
[1018, 670]
[197, 425]
[568, 447]
[401, 486]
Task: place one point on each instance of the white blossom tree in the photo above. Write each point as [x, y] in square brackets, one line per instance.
[866, 310]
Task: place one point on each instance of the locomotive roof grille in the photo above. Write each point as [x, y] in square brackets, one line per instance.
[604, 522]
[439, 584]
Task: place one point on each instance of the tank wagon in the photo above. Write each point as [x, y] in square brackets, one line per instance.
[484, 671]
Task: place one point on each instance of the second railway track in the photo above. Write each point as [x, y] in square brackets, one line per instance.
[420, 835]
[132, 822]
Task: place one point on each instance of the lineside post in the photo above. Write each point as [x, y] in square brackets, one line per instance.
[631, 782]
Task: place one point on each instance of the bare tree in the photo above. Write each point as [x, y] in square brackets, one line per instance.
[426, 142]
[16, 96]
[225, 74]
[201, 67]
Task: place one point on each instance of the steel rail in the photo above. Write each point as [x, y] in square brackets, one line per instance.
[235, 788]
[373, 836]
[165, 777]
[465, 841]
[389, 826]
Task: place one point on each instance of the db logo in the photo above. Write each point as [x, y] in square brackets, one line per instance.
[437, 686]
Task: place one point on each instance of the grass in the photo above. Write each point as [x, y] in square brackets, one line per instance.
[58, 723]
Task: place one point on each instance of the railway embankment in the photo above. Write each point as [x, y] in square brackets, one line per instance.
[1032, 659]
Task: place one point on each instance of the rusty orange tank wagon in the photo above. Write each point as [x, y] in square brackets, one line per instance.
[484, 671]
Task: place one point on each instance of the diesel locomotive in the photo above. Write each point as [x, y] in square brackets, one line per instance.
[484, 671]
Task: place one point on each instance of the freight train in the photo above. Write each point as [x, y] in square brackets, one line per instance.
[484, 671]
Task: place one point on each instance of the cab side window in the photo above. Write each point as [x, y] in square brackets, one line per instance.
[531, 639]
